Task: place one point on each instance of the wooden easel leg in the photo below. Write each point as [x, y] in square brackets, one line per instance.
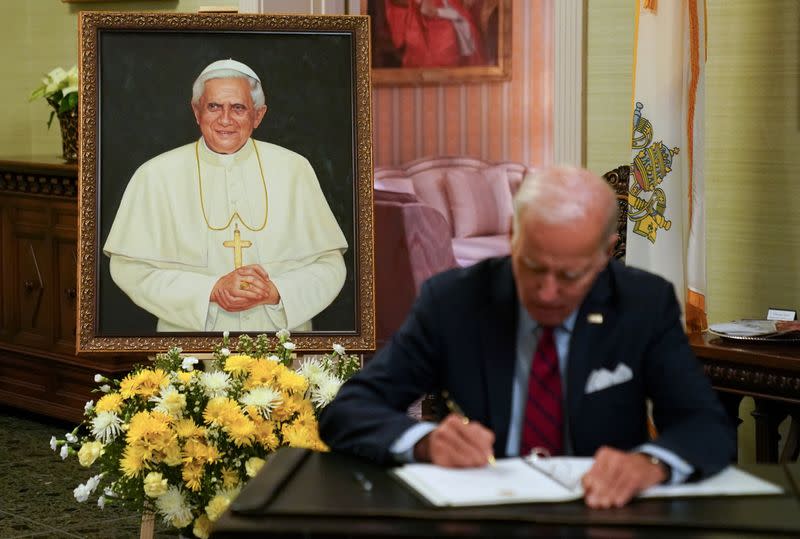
[147, 531]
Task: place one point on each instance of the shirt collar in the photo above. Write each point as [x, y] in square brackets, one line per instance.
[529, 325]
[224, 159]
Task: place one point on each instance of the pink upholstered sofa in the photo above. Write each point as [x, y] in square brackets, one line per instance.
[472, 195]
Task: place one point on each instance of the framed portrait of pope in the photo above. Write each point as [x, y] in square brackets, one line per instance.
[226, 180]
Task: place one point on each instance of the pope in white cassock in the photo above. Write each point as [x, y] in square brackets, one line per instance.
[227, 233]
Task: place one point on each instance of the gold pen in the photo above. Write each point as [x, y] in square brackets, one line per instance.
[456, 409]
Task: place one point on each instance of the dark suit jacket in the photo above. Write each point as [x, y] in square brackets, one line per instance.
[461, 336]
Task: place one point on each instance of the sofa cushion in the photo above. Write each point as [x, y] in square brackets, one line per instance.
[468, 251]
[429, 187]
[480, 201]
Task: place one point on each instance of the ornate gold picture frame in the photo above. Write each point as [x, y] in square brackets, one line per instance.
[437, 42]
[137, 71]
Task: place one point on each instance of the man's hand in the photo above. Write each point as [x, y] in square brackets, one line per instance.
[617, 476]
[456, 443]
[244, 288]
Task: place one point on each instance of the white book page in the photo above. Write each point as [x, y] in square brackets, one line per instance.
[509, 481]
[730, 481]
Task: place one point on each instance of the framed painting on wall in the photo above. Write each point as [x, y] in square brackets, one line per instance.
[225, 180]
[439, 41]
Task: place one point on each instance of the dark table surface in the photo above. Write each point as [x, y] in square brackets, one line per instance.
[322, 498]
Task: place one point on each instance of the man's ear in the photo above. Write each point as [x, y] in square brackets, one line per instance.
[196, 112]
[612, 241]
[259, 116]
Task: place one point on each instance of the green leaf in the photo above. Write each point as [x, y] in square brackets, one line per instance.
[50, 121]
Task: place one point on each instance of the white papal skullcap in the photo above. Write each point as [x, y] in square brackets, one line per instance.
[230, 63]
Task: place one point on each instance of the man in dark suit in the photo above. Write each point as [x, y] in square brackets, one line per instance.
[612, 334]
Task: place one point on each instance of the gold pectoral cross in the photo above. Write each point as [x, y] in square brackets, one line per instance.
[238, 244]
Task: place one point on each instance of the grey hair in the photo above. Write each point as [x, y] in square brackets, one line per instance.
[561, 194]
[256, 91]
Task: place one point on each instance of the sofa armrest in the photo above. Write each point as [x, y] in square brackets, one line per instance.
[412, 243]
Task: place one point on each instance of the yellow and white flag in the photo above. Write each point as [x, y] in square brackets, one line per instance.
[666, 221]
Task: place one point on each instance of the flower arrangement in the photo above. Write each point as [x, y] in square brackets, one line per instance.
[60, 89]
[181, 442]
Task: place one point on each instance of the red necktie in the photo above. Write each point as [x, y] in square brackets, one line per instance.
[543, 416]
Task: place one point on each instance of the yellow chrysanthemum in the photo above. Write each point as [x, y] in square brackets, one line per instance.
[221, 411]
[307, 419]
[292, 382]
[132, 461]
[187, 428]
[241, 431]
[262, 373]
[238, 364]
[289, 406]
[265, 434]
[145, 383]
[112, 402]
[185, 376]
[195, 451]
[230, 478]
[300, 436]
[152, 430]
[192, 475]
[172, 454]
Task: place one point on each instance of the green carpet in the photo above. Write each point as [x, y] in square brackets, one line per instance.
[36, 487]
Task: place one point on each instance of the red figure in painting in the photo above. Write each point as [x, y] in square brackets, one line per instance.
[434, 33]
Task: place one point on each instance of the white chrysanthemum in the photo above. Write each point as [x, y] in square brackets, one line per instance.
[283, 334]
[173, 506]
[105, 388]
[53, 443]
[106, 426]
[215, 384]
[88, 406]
[273, 357]
[188, 363]
[170, 401]
[226, 333]
[71, 438]
[225, 352]
[313, 370]
[289, 345]
[339, 349]
[325, 391]
[263, 398]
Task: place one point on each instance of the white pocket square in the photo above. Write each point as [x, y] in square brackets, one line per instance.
[603, 378]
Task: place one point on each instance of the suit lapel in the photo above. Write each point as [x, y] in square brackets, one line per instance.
[585, 350]
[498, 348]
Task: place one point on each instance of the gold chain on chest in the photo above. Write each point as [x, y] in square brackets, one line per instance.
[236, 213]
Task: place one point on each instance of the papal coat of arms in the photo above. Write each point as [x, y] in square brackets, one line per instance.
[647, 202]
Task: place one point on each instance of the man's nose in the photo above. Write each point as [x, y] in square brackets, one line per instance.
[547, 289]
[225, 117]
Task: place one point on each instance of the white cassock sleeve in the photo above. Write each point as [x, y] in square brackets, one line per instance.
[310, 287]
[176, 296]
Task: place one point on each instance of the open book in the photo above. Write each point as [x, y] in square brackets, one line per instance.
[555, 479]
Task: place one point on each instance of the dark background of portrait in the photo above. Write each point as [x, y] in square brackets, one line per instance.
[145, 88]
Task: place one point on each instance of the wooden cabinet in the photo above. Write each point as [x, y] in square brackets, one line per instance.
[39, 370]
